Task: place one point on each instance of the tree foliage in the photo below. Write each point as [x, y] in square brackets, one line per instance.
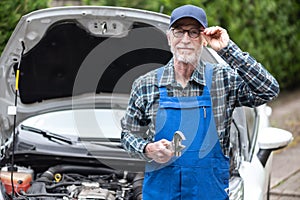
[267, 29]
[11, 12]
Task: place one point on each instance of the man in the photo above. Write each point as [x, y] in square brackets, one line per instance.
[197, 99]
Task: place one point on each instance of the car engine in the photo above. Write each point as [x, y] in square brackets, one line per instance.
[72, 182]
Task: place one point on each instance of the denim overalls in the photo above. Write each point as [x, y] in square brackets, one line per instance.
[202, 171]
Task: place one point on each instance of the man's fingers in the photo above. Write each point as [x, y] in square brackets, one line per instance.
[213, 30]
[167, 152]
[165, 142]
[212, 33]
[159, 151]
[216, 37]
[163, 156]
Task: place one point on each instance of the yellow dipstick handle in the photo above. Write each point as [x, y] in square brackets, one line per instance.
[17, 80]
[57, 177]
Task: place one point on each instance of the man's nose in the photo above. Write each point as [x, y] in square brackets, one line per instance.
[186, 37]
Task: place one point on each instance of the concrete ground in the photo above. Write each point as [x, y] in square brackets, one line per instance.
[285, 178]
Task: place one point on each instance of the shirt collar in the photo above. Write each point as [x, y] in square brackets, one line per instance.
[168, 76]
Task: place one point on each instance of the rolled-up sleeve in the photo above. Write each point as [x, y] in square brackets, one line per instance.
[253, 85]
[133, 125]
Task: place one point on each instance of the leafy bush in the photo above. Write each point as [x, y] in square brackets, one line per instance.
[11, 12]
[267, 29]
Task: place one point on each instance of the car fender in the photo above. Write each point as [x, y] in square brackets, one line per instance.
[254, 176]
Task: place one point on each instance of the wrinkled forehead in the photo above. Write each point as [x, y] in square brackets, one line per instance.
[187, 22]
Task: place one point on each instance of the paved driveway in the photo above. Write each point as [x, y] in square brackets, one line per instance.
[285, 181]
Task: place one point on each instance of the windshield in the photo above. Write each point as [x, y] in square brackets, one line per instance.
[85, 123]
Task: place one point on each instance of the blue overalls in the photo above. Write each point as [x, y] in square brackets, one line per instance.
[202, 171]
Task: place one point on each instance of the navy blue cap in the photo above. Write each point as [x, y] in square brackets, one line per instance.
[189, 11]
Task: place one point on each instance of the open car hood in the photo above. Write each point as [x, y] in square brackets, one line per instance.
[78, 57]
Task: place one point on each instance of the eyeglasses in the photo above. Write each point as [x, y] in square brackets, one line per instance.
[193, 33]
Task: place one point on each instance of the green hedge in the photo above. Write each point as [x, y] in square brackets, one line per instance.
[10, 13]
[268, 29]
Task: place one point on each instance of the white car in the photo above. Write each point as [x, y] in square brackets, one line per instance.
[66, 74]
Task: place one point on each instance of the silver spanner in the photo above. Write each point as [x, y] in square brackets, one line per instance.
[176, 145]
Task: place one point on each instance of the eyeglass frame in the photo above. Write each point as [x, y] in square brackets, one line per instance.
[188, 31]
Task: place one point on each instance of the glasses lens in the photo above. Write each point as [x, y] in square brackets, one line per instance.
[178, 33]
[193, 33]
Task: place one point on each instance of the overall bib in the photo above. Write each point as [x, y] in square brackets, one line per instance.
[202, 171]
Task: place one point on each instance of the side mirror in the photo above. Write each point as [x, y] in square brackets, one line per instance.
[272, 139]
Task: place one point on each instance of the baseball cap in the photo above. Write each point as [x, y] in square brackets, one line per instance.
[189, 11]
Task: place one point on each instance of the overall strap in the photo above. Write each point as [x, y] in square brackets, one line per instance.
[162, 90]
[208, 77]
[208, 74]
[159, 73]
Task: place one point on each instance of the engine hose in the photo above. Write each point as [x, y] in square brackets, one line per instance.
[56, 185]
[137, 186]
[84, 170]
[43, 194]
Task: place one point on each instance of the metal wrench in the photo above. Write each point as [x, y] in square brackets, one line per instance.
[176, 145]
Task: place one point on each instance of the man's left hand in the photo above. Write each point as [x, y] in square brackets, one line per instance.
[216, 37]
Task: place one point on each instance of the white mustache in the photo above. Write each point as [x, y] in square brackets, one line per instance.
[185, 48]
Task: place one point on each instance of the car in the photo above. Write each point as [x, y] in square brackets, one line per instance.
[66, 75]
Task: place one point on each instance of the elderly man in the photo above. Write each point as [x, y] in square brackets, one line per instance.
[196, 99]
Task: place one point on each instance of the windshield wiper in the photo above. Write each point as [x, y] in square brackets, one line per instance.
[47, 134]
[108, 142]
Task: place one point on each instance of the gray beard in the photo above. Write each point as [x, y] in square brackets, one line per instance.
[193, 59]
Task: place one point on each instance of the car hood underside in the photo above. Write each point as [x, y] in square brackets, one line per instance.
[69, 50]
[69, 53]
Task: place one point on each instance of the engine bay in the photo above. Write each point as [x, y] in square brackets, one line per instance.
[71, 182]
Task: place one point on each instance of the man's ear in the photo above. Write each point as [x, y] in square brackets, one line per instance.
[205, 43]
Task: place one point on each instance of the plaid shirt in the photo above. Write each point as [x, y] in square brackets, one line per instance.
[241, 82]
